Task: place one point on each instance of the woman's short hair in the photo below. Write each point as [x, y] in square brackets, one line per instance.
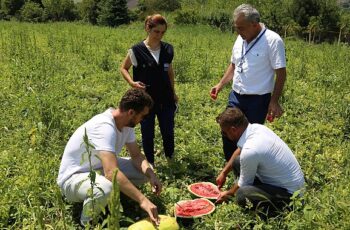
[155, 20]
[232, 117]
[250, 13]
[136, 99]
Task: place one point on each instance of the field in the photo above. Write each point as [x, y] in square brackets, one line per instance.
[54, 77]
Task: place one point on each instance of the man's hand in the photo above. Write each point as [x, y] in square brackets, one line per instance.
[220, 180]
[274, 110]
[215, 91]
[155, 184]
[224, 196]
[151, 209]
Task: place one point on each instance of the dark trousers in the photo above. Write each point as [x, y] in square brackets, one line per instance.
[165, 115]
[267, 197]
[254, 107]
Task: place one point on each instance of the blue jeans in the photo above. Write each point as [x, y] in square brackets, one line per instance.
[165, 115]
[254, 107]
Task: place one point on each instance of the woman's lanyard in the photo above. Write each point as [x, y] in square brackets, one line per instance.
[241, 61]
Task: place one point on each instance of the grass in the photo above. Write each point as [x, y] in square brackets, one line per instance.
[56, 76]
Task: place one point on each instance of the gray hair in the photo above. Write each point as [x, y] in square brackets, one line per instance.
[250, 13]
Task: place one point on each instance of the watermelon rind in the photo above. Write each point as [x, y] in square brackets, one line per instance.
[202, 196]
[166, 223]
[195, 216]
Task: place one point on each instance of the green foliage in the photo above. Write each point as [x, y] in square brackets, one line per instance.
[88, 10]
[11, 7]
[186, 17]
[302, 11]
[53, 79]
[112, 13]
[114, 204]
[60, 10]
[152, 6]
[32, 12]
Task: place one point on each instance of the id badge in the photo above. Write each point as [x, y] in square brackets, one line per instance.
[166, 66]
[239, 69]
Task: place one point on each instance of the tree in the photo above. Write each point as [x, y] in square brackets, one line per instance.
[151, 6]
[11, 7]
[59, 10]
[313, 27]
[303, 10]
[344, 24]
[88, 10]
[32, 12]
[317, 16]
[112, 13]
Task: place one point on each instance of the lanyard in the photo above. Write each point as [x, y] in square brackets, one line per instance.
[256, 41]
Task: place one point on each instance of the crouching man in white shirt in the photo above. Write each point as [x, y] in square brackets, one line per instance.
[268, 171]
[108, 132]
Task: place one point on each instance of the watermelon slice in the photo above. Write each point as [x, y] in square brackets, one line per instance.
[194, 208]
[204, 189]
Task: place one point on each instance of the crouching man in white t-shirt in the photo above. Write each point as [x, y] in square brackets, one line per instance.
[108, 132]
[268, 171]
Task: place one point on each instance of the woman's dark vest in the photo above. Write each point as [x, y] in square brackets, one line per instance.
[154, 75]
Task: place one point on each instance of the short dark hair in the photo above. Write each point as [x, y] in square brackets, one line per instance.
[232, 117]
[136, 99]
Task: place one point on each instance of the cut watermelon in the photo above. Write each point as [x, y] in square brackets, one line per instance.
[205, 190]
[194, 208]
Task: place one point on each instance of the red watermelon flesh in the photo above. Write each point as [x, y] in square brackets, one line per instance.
[205, 190]
[193, 208]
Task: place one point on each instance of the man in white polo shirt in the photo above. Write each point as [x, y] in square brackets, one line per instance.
[257, 56]
[268, 171]
[108, 132]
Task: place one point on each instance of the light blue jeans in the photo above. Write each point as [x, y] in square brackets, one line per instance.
[76, 188]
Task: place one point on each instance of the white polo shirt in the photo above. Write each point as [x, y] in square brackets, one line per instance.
[103, 135]
[265, 155]
[259, 65]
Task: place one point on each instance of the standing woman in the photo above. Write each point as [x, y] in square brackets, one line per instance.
[152, 70]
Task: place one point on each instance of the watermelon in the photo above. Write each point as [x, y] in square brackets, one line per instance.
[166, 223]
[204, 189]
[194, 208]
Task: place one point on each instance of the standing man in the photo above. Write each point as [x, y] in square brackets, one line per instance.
[257, 55]
[268, 171]
[108, 132]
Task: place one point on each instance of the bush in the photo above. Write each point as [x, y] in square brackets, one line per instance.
[186, 17]
[218, 19]
[151, 6]
[60, 10]
[32, 12]
[112, 13]
[88, 11]
[11, 7]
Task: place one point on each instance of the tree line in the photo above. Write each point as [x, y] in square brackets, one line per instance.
[312, 20]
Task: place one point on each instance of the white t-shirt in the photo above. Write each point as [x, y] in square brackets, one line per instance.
[260, 63]
[103, 135]
[265, 155]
